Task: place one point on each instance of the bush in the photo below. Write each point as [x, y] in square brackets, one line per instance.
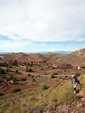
[3, 77]
[77, 74]
[23, 79]
[14, 79]
[16, 90]
[55, 73]
[10, 66]
[7, 70]
[1, 94]
[29, 75]
[2, 71]
[32, 76]
[5, 85]
[7, 79]
[64, 78]
[38, 75]
[83, 67]
[45, 87]
[29, 70]
[52, 76]
[11, 77]
[16, 71]
[53, 68]
[64, 70]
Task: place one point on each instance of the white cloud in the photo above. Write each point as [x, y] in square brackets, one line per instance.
[42, 20]
[14, 46]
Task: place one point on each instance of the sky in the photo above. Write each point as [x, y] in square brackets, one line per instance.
[42, 25]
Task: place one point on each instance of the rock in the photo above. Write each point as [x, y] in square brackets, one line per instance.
[83, 99]
[79, 105]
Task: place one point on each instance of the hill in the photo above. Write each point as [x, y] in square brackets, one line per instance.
[75, 58]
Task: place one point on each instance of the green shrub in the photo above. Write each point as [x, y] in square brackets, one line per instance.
[3, 77]
[64, 78]
[23, 79]
[64, 70]
[38, 75]
[14, 79]
[32, 76]
[10, 66]
[52, 76]
[2, 71]
[29, 75]
[29, 70]
[1, 94]
[83, 67]
[16, 71]
[16, 90]
[55, 73]
[11, 77]
[7, 79]
[45, 87]
[5, 85]
[53, 68]
[15, 83]
[77, 74]
[7, 70]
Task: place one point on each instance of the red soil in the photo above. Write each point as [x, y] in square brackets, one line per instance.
[55, 83]
[10, 88]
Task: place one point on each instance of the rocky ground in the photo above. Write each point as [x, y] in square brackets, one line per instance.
[74, 107]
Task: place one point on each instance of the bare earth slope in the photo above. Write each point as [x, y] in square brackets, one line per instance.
[75, 58]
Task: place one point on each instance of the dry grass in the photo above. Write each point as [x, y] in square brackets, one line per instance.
[30, 99]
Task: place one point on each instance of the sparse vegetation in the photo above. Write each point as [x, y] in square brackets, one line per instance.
[55, 73]
[39, 93]
[16, 71]
[32, 76]
[15, 63]
[52, 76]
[14, 79]
[2, 71]
[23, 79]
[1, 94]
[29, 70]
[16, 90]
[10, 66]
[77, 74]
[5, 85]
[7, 70]
[45, 87]
[29, 75]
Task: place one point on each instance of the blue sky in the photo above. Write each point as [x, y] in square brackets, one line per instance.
[36, 25]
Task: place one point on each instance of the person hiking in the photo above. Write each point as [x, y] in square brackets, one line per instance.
[75, 82]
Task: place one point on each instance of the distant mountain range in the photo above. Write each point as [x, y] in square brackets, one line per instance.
[56, 52]
[58, 57]
[42, 52]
